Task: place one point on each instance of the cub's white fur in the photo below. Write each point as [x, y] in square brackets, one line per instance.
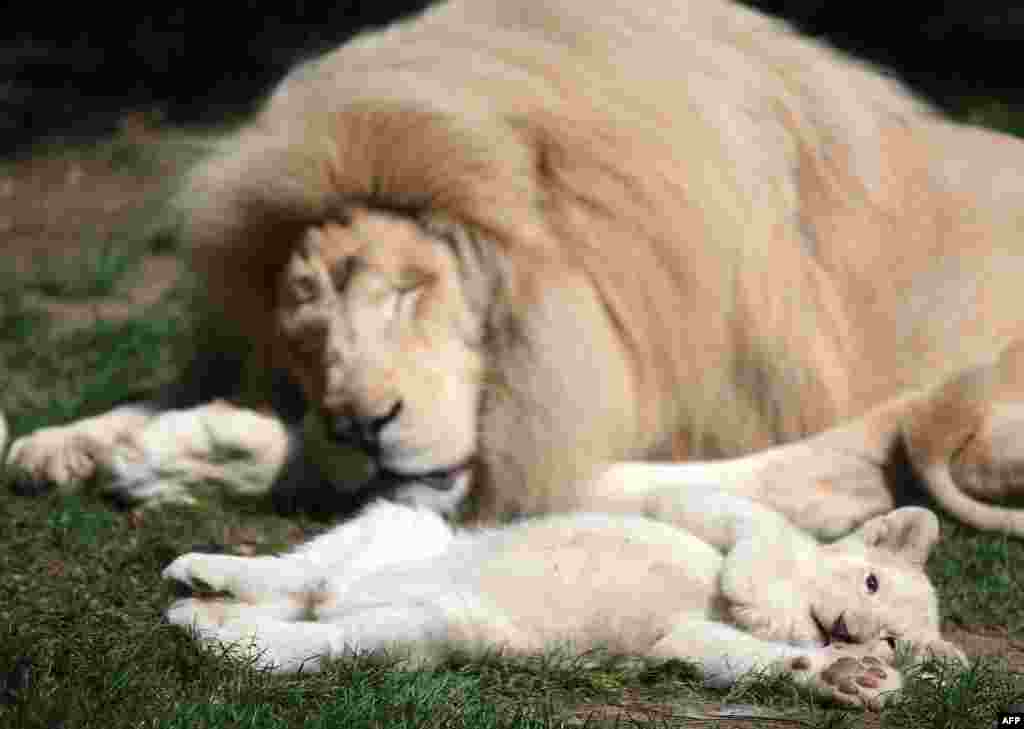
[398, 578]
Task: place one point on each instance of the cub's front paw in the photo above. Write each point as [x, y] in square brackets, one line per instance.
[203, 616]
[850, 674]
[195, 573]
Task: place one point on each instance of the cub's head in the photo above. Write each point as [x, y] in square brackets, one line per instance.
[382, 322]
[876, 585]
[868, 585]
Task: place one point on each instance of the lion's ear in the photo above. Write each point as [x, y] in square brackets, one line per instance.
[910, 532]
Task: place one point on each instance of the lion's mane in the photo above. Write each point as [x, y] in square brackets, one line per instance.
[640, 169]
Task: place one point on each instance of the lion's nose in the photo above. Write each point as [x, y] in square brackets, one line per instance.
[360, 430]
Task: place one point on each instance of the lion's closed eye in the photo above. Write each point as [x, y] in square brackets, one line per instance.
[301, 290]
[411, 279]
[343, 271]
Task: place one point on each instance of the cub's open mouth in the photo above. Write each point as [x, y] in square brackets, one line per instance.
[836, 632]
[839, 632]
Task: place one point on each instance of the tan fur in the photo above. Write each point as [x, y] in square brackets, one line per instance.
[716, 232]
[368, 328]
[704, 235]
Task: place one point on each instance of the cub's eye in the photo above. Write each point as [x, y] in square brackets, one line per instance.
[871, 582]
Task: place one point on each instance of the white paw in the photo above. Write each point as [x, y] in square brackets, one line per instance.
[851, 674]
[57, 456]
[197, 572]
[229, 629]
[204, 616]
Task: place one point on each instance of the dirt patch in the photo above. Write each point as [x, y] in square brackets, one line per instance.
[988, 640]
[52, 206]
[636, 710]
[152, 277]
[61, 207]
[976, 641]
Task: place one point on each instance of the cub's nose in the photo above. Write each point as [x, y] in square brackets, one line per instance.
[362, 431]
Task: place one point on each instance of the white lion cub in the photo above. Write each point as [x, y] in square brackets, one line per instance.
[399, 578]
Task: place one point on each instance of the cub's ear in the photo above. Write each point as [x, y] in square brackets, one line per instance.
[910, 532]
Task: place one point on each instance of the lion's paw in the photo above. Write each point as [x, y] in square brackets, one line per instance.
[854, 675]
[57, 456]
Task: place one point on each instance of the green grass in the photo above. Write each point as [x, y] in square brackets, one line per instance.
[95, 271]
[18, 320]
[979, 577]
[81, 638]
[52, 377]
[81, 602]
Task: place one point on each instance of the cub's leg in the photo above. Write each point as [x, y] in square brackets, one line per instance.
[254, 594]
[854, 675]
[253, 580]
[383, 535]
[256, 634]
[683, 495]
[417, 630]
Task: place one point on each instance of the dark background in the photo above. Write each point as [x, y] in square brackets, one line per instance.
[75, 71]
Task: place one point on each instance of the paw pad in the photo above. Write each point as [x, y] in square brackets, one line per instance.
[840, 670]
[846, 685]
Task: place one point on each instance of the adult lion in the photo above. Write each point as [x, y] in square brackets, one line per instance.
[505, 244]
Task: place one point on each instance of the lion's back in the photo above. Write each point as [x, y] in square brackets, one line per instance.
[583, 139]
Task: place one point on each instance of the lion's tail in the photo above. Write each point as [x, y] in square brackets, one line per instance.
[950, 496]
[965, 439]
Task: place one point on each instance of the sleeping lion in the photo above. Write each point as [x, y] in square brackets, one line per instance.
[829, 616]
[527, 257]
